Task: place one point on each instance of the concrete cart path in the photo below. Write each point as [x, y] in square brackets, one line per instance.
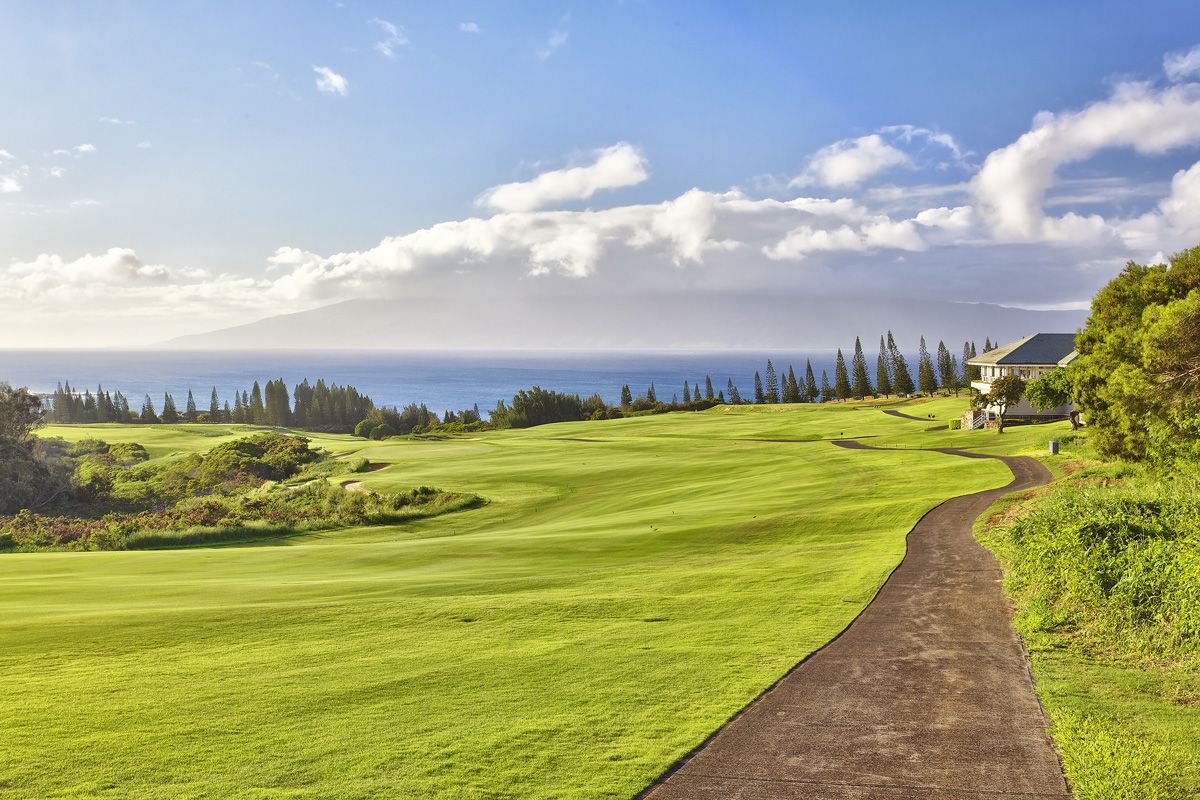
[926, 696]
[891, 412]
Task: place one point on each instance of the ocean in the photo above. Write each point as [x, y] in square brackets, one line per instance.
[442, 380]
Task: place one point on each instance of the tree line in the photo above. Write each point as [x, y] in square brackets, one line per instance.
[943, 371]
[316, 407]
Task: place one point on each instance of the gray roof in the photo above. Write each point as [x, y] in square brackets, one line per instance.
[1041, 348]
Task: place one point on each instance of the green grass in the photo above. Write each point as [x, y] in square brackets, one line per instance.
[1115, 658]
[615, 602]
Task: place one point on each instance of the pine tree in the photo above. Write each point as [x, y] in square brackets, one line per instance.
[626, 396]
[947, 370]
[708, 387]
[926, 377]
[214, 406]
[826, 390]
[810, 383]
[190, 409]
[841, 378]
[759, 397]
[651, 395]
[970, 373]
[883, 375]
[258, 414]
[791, 390]
[674, 399]
[902, 382]
[721, 397]
[687, 393]
[148, 415]
[169, 413]
[225, 415]
[987, 343]
[772, 383]
[735, 397]
[861, 381]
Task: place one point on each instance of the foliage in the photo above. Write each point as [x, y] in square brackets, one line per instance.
[1137, 378]
[1105, 570]
[1006, 391]
[20, 414]
[1049, 391]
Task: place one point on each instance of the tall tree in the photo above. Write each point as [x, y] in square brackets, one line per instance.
[170, 414]
[826, 389]
[626, 396]
[708, 387]
[902, 382]
[841, 378]
[759, 396]
[258, 414]
[926, 377]
[214, 406]
[987, 343]
[772, 387]
[687, 392]
[883, 373]
[970, 372]
[947, 368]
[810, 382]
[190, 412]
[651, 395]
[148, 414]
[791, 389]
[861, 382]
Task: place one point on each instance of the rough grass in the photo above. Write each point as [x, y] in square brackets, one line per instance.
[1104, 566]
[628, 587]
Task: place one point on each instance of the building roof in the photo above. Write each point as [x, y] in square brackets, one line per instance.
[1039, 349]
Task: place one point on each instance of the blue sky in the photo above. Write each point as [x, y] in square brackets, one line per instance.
[194, 141]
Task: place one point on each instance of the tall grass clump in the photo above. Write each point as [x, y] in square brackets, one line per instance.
[1118, 564]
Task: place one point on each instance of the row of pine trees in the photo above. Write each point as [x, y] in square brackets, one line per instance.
[320, 407]
[943, 371]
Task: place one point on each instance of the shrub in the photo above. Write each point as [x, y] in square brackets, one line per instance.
[381, 431]
[363, 429]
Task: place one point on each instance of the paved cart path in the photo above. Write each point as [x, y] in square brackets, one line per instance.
[926, 696]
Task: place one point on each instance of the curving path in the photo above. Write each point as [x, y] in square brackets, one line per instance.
[891, 412]
[926, 696]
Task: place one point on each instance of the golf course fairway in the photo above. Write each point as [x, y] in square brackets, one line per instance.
[629, 585]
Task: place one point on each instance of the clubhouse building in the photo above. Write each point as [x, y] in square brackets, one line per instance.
[1026, 358]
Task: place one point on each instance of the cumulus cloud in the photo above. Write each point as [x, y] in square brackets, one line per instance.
[470, 27]
[330, 82]
[393, 38]
[116, 121]
[5, 155]
[9, 185]
[849, 162]
[613, 168]
[1010, 187]
[1181, 66]
[57, 172]
[77, 150]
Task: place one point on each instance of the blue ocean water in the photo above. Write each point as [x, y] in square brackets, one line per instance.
[442, 380]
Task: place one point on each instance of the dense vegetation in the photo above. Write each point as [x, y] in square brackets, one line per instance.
[115, 498]
[1105, 565]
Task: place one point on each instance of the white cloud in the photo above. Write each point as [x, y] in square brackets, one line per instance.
[77, 150]
[5, 155]
[393, 38]
[9, 185]
[144, 144]
[117, 121]
[85, 202]
[553, 43]
[849, 162]
[470, 27]
[613, 168]
[1181, 66]
[960, 218]
[1011, 186]
[50, 275]
[330, 82]
[57, 172]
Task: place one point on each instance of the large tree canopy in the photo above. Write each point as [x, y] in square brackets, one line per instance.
[1137, 379]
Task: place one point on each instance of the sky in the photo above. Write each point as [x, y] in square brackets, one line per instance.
[173, 168]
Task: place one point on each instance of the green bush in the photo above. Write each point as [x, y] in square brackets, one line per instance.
[381, 431]
[954, 424]
[363, 429]
[1119, 563]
